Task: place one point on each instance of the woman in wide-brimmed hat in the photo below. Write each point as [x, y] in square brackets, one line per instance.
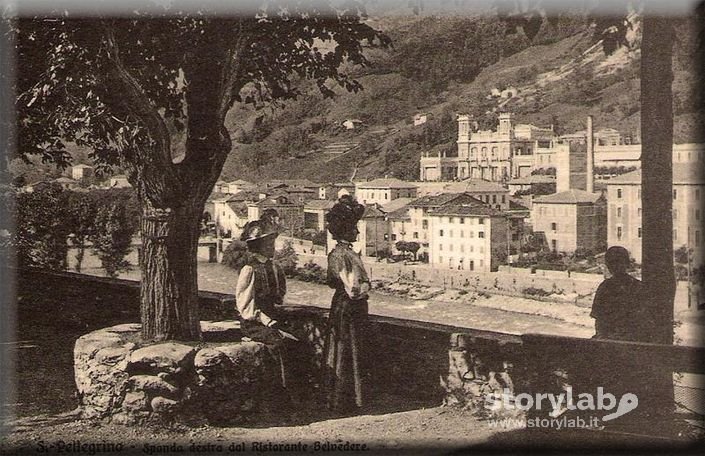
[344, 345]
[259, 292]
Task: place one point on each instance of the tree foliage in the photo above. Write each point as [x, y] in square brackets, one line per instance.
[124, 87]
[287, 258]
[40, 238]
[112, 238]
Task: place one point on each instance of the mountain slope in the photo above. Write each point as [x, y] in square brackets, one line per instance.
[559, 81]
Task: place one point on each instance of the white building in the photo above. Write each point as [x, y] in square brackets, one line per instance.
[119, 181]
[570, 220]
[82, 172]
[470, 237]
[624, 215]
[382, 191]
[230, 215]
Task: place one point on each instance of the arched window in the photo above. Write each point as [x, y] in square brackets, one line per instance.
[494, 152]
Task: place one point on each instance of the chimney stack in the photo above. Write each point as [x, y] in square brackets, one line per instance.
[590, 185]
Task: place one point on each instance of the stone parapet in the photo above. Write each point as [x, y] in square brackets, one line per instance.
[121, 378]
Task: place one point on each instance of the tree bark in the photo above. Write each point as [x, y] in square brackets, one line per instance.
[653, 383]
[169, 291]
[657, 173]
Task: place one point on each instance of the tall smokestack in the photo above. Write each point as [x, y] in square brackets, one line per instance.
[590, 185]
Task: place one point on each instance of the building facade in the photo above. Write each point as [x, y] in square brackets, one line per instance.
[490, 193]
[570, 220]
[490, 155]
[624, 216]
[382, 191]
[469, 237]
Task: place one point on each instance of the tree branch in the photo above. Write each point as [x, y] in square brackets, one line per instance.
[152, 164]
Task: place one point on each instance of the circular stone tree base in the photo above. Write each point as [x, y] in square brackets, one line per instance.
[220, 380]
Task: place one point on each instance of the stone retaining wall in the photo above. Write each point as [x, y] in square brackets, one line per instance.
[120, 378]
[424, 363]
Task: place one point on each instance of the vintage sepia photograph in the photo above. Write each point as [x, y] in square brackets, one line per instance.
[352, 226]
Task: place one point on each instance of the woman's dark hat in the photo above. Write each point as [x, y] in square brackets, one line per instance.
[344, 214]
[346, 210]
[257, 230]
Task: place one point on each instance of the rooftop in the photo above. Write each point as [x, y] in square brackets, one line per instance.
[474, 186]
[373, 210]
[480, 210]
[443, 199]
[683, 173]
[303, 183]
[239, 207]
[387, 182]
[533, 179]
[319, 204]
[238, 182]
[217, 196]
[571, 196]
[396, 204]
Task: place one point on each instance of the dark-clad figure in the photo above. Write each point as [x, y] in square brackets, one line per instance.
[618, 307]
[345, 366]
[261, 286]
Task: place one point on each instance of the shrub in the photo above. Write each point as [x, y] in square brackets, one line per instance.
[287, 258]
[533, 291]
[236, 255]
[311, 272]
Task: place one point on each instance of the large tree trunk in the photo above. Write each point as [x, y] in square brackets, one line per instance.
[169, 292]
[657, 172]
[654, 384]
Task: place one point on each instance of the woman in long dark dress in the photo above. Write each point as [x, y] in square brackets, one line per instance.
[344, 352]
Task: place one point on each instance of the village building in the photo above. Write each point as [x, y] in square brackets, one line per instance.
[119, 181]
[229, 215]
[384, 190]
[291, 214]
[420, 119]
[624, 216]
[535, 183]
[82, 172]
[67, 183]
[419, 209]
[233, 187]
[351, 124]
[472, 237]
[570, 220]
[490, 193]
[397, 216]
[334, 190]
[315, 213]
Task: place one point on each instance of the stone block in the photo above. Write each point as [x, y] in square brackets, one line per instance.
[135, 401]
[152, 385]
[245, 353]
[125, 328]
[91, 343]
[113, 355]
[163, 405]
[208, 358]
[167, 357]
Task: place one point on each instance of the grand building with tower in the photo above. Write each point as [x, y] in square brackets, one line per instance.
[496, 156]
[515, 150]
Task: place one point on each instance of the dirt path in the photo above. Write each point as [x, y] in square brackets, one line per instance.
[408, 432]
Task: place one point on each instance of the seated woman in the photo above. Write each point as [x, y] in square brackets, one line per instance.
[344, 345]
[261, 286]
